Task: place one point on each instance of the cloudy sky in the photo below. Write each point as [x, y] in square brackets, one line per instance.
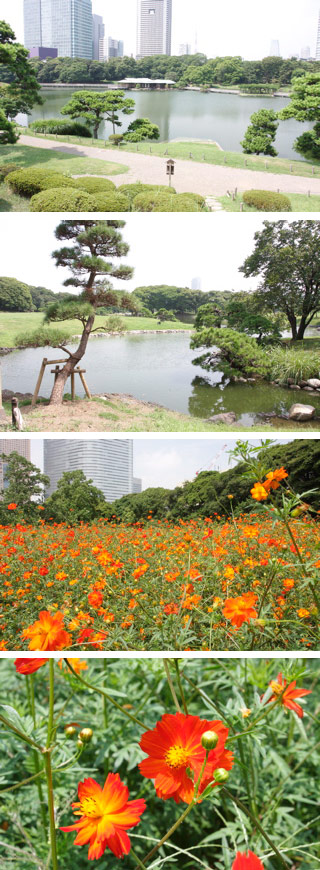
[231, 28]
[170, 249]
[170, 461]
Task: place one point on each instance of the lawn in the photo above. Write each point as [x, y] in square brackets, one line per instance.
[14, 323]
[213, 584]
[106, 715]
[298, 201]
[203, 152]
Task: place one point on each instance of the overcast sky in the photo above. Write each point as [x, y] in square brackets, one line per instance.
[170, 461]
[245, 28]
[169, 249]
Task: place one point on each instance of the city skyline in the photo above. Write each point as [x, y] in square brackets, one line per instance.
[72, 35]
[107, 462]
[229, 35]
[154, 28]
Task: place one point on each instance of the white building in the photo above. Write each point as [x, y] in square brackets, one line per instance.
[318, 40]
[107, 462]
[113, 48]
[196, 283]
[12, 445]
[274, 48]
[154, 27]
[62, 24]
[98, 52]
[305, 53]
[184, 48]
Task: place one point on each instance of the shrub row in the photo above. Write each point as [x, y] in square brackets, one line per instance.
[267, 200]
[65, 128]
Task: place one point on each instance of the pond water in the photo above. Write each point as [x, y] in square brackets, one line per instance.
[189, 115]
[155, 368]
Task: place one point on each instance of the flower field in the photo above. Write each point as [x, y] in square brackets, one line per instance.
[212, 584]
[210, 763]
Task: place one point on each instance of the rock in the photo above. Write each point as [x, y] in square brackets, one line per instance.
[302, 413]
[294, 387]
[251, 380]
[242, 381]
[228, 418]
[308, 389]
[314, 382]
[290, 381]
[303, 384]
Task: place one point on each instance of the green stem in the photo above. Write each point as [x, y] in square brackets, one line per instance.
[137, 859]
[51, 702]
[21, 734]
[292, 538]
[169, 833]
[37, 764]
[104, 700]
[171, 686]
[176, 664]
[53, 845]
[256, 824]
[108, 697]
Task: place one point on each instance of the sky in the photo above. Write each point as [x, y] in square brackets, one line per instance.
[232, 28]
[168, 462]
[170, 249]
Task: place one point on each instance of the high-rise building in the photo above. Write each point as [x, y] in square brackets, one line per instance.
[12, 445]
[137, 485]
[98, 52]
[114, 48]
[274, 48]
[154, 27]
[196, 283]
[305, 52]
[184, 48]
[318, 40]
[62, 24]
[108, 463]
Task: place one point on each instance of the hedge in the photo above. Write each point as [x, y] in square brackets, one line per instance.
[28, 182]
[58, 199]
[110, 202]
[266, 200]
[65, 128]
[7, 168]
[95, 185]
[132, 190]
[154, 201]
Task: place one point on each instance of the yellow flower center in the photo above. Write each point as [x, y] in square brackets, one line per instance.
[176, 756]
[276, 688]
[89, 807]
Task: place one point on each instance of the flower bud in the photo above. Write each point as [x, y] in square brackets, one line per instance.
[209, 740]
[70, 730]
[86, 735]
[221, 775]
[80, 742]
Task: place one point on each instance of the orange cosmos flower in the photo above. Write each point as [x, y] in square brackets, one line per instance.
[274, 477]
[12, 506]
[48, 632]
[246, 861]
[303, 613]
[174, 749]
[78, 665]
[105, 816]
[241, 609]
[259, 492]
[95, 599]
[288, 694]
[29, 666]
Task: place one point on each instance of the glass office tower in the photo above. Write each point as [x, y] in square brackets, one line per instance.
[154, 27]
[66, 25]
[107, 462]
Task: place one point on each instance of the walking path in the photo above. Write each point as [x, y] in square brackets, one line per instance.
[193, 177]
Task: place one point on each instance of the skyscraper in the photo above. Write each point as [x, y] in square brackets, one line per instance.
[318, 40]
[12, 445]
[274, 48]
[305, 52]
[114, 47]
[154, 27]
[196, 283]
[62, 24]
[98, 52]
[108, 463]
[184, 48]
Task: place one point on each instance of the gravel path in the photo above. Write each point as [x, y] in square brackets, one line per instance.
[205, 179]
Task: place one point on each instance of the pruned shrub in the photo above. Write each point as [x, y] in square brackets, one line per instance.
[116, 138]
[267, 200]
[195, 197]
[187, 202]
[95, 184]
[155, 201]
[6, 168]
[28, 182]
[132, 190]
[44, 337]
[65, 128]
[112, 201]
[59, 199]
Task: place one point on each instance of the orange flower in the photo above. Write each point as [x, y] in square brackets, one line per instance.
[12, 506]
[274, 477]
[259, 492]
[303, 613]
[287, 694]
[174, 748]
[105, 816]
[95, 599]
[246, 861]
[241, 609]
[78, 665]
[29, 666]
[48, 632]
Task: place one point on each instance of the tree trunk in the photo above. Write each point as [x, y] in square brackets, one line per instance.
[71, 363]
[302, 328]
[293, 323]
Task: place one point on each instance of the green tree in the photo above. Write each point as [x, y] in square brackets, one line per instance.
[141, 129]
[96, 107]
[287, 257]
[15, 296]
[305, 106]
[22, 91]
[75, 500]
[163, 314]
[8, 130]
[261, 133]
[24, 486]
[134, 507]
[208, 315]
[244, 314]
[92, 242]
[239, 354]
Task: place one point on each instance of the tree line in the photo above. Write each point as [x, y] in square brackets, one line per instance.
[211, 494]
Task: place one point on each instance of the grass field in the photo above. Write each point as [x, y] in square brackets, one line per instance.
[298, 201]
[55, 160]
[13, 323]
[201, 152]
[164, 586]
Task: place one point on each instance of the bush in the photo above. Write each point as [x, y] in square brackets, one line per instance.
[95, 185]
[154, 201]
[58, 199]
[195, 197]
[65, 128]
[293, 362]
[110, 202]
[116, 138]
[44, 337]
[266, 200]
[28, 182]
[132, 190]
[6, 168]
[239, 353]
[187, 202]
[115, 323]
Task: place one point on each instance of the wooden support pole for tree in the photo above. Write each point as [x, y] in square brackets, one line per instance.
[73, 390]
[39, 382]
[2, 411]
[85, 385]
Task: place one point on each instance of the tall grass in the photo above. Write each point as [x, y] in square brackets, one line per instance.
[293, 362]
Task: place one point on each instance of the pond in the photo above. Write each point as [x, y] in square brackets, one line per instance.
[189, 115]
[156, 368]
